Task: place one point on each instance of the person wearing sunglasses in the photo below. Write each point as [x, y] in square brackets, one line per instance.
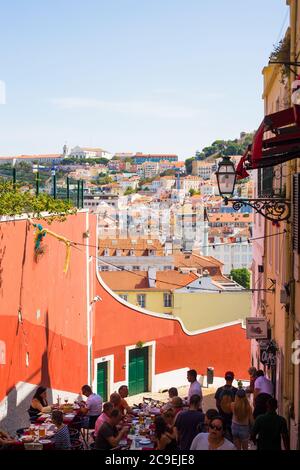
[214, 439]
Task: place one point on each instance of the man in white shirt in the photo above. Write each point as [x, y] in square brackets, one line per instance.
[263, 391]
[195, 387]
[93, 405]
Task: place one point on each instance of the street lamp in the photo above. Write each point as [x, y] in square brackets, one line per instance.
[226, 177]
[273, 209]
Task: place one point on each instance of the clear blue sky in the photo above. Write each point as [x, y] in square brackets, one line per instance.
[133, 75]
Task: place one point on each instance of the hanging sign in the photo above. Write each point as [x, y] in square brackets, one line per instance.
[256, 328]
[267, 353]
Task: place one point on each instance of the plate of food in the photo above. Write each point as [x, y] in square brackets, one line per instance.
[27, 438]
[145, 441]
[45, 441]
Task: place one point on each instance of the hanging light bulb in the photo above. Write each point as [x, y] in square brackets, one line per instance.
[296, 91]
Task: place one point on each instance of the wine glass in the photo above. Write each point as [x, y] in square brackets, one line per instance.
[66, 400]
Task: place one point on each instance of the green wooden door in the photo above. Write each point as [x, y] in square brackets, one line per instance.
[138, 371]
[102, 380]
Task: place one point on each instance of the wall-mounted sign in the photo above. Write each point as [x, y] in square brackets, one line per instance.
[256, 328]
[267, 353]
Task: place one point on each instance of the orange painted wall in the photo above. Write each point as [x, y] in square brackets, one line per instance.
[53, 305]
[117, 326]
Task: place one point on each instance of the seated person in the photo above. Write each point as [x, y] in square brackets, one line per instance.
[177, 405]
[165, 440]
[39, 404]
[61, 438]
[173, 392]
[104, 417]
[123, 392]
[169, 417]
[209, 415]
[108, 435]
[93, 406]
[116, 400]
[6, 440]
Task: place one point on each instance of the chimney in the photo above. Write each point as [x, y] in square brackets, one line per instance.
[152, 276]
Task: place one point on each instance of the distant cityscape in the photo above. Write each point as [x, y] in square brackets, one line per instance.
[155, 214]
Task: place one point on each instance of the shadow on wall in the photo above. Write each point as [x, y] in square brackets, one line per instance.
[18, 400]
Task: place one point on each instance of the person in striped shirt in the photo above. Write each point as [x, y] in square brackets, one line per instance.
[61, 438]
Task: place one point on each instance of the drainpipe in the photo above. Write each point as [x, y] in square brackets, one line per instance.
[88, 304]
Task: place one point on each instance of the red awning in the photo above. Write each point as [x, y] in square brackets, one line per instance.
[283, 146]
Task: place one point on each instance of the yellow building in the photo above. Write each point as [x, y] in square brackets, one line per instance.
[200, 301]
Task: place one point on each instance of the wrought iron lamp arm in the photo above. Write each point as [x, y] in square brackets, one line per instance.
[273, 209]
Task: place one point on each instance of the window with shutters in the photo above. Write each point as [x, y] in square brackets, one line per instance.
[296, 215]
[265, 182]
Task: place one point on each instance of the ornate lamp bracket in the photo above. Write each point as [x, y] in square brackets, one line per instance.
[273, 209]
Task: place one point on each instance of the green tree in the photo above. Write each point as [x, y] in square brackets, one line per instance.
[14, 201]
[104, 180]
[241, 276]
[169, 172]
[193, 192]
[129, 190]
[188, 165]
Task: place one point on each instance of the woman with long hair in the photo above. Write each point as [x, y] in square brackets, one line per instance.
[39, 403]
[165, 440]
[242, 420]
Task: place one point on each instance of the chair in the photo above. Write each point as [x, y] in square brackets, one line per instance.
[77, 445]
[32, 416]
[74, 434]
[20, 432]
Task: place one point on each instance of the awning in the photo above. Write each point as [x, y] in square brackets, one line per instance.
[284, 145]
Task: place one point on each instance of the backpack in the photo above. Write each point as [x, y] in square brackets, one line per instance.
[226, 397]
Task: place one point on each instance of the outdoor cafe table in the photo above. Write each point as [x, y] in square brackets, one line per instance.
[37, 436]
[143, 426]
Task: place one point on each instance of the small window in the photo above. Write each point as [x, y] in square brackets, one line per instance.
[124, 296]
[167, 300]
[141, 300]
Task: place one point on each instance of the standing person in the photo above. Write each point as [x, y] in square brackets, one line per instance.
[186, 423]
[214, 439]
[61, 438]
[123, 392]
[263, 391]
[242, 420]
[269, 428]
[224, 397]
[104, 417]
[108, 435]
[195, 387]
[252, 371]
[93, 406]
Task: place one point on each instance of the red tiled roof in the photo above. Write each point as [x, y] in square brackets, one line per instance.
[140, 248]
[138, 280]
[193, 260]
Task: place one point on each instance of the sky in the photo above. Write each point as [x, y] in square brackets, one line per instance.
[152, 76]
